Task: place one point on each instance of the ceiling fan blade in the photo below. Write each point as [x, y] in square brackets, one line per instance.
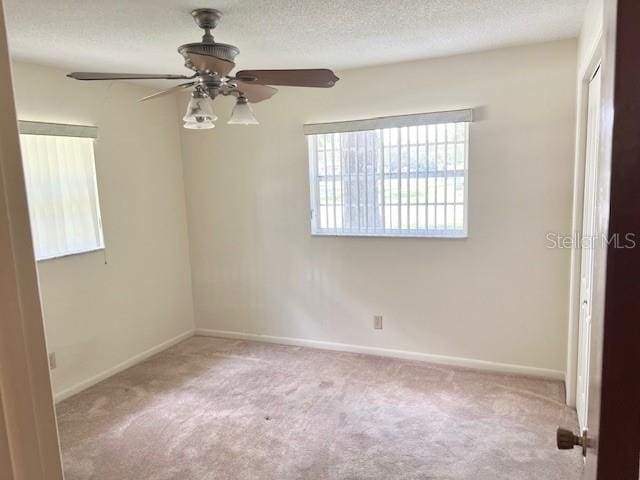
[168, 91]
[254, 91]
[313, 77]
[207, 62]
[123, 76]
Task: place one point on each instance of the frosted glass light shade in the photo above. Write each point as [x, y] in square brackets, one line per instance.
[242, 113]
[200, 107]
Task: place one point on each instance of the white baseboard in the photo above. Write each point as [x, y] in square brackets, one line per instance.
[301, 342]
[68, 392]
[386, 352]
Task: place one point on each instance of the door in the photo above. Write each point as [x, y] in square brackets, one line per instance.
[612, 445]
[587, 250]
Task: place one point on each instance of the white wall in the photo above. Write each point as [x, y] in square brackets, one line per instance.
[498, 296]
[588, 58]
[99, 315]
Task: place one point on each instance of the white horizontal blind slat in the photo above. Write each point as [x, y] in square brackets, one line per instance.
[398, 181]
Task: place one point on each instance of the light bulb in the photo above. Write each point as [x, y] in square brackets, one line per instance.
[200, 107]
[242, 113]
[199, 123]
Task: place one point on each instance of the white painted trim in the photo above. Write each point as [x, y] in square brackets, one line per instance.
[77, 388]
[452, 116]
[57, 129]
[387, 352]
[29, 447]
[583, 80]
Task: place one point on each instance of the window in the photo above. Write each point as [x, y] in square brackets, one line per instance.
[62, 192]
[393, 176]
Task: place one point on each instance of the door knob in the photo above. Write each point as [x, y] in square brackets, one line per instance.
[566, 440]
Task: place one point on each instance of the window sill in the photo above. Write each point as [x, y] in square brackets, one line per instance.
[70, 254]
[443, 235]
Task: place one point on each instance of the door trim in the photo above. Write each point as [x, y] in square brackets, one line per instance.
[587, 253]
[29, 447]
[585, 76]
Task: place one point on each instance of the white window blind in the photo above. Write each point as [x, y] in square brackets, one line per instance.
[394, 176]
[62, 191]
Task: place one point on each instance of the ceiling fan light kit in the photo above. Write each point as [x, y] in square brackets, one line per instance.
[212, 63]
[242, 113]
[200, 107]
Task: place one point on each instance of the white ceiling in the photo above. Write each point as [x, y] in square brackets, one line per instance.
[142, 35]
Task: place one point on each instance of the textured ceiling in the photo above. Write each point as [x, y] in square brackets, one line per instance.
[142, 35]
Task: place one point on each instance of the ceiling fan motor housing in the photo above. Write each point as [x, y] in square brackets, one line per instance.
[220, 50]
[207, 19]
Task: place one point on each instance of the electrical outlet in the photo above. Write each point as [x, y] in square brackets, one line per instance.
[377, 322]
[52, 361]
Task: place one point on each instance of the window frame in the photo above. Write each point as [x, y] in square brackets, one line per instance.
[434, 118]
[73, 131]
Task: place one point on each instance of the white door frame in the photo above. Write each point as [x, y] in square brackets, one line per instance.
[588, 248]
[585, 76]
[28, 434]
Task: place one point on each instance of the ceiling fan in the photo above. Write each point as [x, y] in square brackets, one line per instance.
[212, 63]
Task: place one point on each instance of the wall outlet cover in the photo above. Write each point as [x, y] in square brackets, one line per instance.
[52, 361]
[377, 322]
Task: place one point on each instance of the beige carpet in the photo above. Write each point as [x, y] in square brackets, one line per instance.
[211, 408]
